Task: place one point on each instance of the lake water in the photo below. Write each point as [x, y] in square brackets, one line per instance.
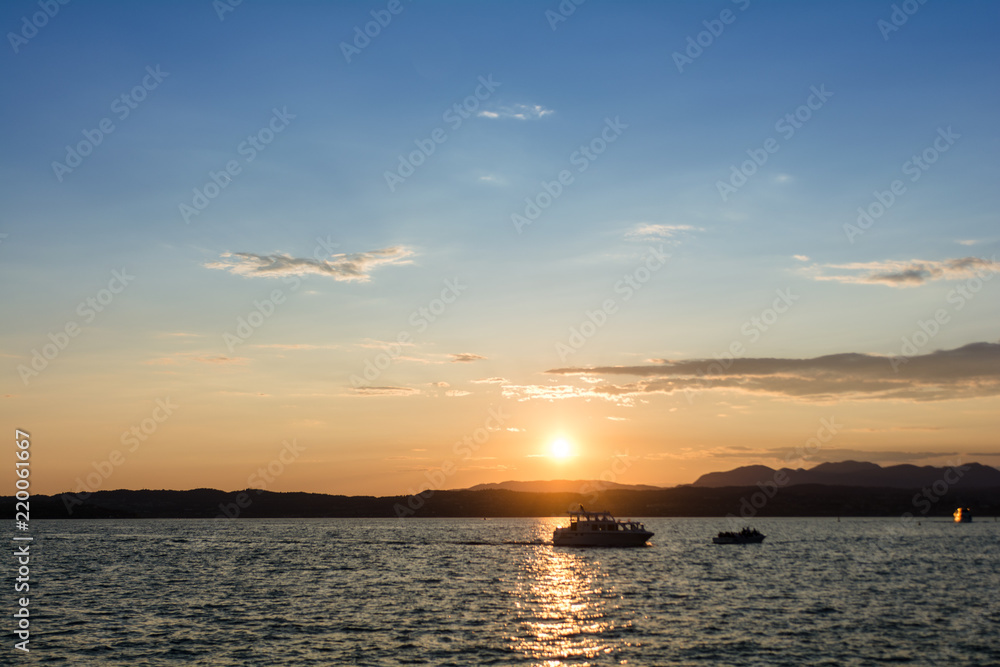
[475, 592]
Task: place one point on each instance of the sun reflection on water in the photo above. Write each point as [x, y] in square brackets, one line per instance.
[562, 599]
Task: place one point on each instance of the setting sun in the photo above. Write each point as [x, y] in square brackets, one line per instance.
[560, 449]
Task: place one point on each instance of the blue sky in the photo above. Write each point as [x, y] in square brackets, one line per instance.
[345, 124]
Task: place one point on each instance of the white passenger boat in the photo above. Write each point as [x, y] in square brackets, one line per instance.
[599, 529]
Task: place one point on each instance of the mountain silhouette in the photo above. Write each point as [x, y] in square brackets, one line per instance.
[562, 486]
[857, 473]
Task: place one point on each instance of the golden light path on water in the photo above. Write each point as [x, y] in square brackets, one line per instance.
[562, 601]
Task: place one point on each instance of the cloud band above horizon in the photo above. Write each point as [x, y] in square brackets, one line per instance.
[353, 267]
[970, 371]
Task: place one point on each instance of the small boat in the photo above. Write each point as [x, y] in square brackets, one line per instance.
[745, 536]
[963, 515]
[599, 529]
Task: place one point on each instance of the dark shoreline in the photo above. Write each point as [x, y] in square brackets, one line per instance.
[807, 500]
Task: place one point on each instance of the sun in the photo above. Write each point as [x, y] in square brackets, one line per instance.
[560, 449]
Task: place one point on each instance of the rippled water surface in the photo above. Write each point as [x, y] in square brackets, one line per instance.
[475, 592]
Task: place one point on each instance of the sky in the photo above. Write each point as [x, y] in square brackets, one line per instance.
[373, 248]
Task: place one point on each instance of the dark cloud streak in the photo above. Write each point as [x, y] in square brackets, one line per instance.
[966, 372]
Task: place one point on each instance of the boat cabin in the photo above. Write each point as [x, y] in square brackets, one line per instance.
[590, 521]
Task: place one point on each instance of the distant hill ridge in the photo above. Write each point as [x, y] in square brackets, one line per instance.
[798, 500]
[857, 473]
[849, 488]
[562, 486]
[844, 473]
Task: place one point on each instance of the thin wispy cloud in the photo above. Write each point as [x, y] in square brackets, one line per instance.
[385, 391]
[518, 112]
[354, 267]
[909, 273]
[971, 371]
[499, 467]
[182, 358]
[645, 231]
[295, 346]
[465, 357]
[890, 429]
[221, 359]
[493, 380]
[554, 392]
[383, 344]
[844, 454]
[779, 458]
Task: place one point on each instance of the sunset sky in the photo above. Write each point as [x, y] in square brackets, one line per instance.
[679, 237]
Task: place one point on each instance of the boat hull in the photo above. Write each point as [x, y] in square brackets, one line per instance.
[563, 538]
[738, 540]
